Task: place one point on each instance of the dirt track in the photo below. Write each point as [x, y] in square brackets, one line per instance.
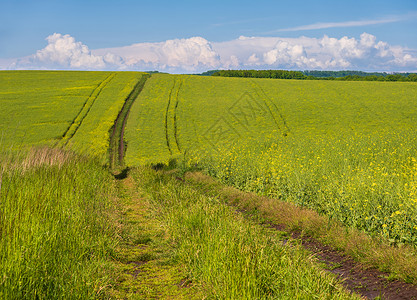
[117, 144]
[368, 282]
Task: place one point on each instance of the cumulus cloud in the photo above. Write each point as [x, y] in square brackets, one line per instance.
[188, 53]
[196, 54]
[63, 52]
[326, 53]
[178, 55]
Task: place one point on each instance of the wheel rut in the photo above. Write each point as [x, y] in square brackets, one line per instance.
[367, 282]
[76, 123]
[117, 144]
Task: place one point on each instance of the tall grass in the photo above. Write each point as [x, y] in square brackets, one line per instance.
[55, 225]
[229, 256]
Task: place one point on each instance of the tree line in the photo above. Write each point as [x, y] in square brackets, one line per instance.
[316, 75]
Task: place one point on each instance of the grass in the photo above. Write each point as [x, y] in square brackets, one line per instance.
[56, 226]
[144, 264]
[226, 255]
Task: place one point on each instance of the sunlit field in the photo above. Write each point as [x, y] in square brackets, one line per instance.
[346, 149]
[75, 109]
[131, 185]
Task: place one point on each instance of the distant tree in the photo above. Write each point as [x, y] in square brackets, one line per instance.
[412, 77]
[318, 75]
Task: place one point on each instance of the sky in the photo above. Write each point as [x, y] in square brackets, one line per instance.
[195, 36]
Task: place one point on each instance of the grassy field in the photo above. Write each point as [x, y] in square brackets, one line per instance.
[75, 109]
[87, 237]
[38, 107]
[346, 149]
[337, 161]
[58, 220]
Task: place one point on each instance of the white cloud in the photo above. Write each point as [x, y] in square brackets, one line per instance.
[285, 53]
[327, 53]
[253, 59]
[325, 25]
[196, 54]
[63, 52]
[5, 63]
[340, 24]
[193, 54]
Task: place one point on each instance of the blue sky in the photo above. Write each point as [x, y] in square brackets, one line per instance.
[24, 25]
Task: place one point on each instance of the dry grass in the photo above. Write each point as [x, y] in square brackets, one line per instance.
[35, 157]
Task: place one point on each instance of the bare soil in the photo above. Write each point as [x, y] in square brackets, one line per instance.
[368, 282]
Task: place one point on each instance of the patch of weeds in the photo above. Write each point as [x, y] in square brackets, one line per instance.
[390, 277]
[144, 257]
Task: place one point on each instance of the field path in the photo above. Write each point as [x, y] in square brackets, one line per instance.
[171, 129]
[368, 282]
[117, 144]
[143, 259]
[166, 117]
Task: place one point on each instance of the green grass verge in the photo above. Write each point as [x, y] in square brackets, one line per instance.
[56, 226]
[144, 261]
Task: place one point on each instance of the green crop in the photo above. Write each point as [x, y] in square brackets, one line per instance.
[72, 109]
[37, 107]
[346, 149]
[93, 136]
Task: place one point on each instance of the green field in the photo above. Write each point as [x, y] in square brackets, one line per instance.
[75, 109]
[346, 149]
[79, 202]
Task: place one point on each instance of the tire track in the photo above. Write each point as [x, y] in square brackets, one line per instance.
[175, 116]
[76, 123]
[166, 116]
[117, 145]
[284, 127]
